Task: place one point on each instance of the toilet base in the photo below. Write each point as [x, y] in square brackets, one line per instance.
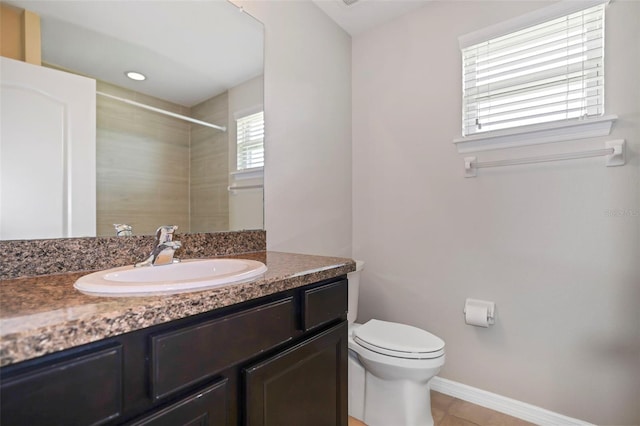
[356, 387]
[389, 391]
[399, 402]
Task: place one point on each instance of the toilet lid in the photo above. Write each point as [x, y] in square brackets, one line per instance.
[398, 340]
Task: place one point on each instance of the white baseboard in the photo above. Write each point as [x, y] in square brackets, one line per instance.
[505, 405]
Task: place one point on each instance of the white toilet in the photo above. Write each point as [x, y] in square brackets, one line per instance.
[390, 366]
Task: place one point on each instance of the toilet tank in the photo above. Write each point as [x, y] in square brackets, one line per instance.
[354, 291]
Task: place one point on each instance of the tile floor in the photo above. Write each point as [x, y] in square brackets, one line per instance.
[450, 411]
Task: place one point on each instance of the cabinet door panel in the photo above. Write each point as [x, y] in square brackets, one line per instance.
[86, 390]
[305, 385]
[207, 407]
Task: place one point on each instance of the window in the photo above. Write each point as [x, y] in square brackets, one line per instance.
[250, 141]
[548, 72]
[536, 78]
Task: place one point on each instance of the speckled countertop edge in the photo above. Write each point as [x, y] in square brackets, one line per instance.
[45, 314]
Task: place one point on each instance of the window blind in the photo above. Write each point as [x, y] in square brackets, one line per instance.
[547, 72]
[250, 141]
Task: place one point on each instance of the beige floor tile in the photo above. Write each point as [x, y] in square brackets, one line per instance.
[354, 422]
[438, 414]
[450, 420]
[450, 411]
[482, 416]
[441, 401]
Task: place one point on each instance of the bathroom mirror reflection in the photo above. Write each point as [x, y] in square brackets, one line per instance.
[202, 59]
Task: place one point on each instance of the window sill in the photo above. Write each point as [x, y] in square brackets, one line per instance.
[537, 134]
[256, 172]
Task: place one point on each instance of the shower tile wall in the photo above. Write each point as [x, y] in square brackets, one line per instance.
[153, 169]
[210, 167]
[142, 164]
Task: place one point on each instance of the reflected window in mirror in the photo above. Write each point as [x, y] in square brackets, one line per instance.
[247, 164]
[250, 141]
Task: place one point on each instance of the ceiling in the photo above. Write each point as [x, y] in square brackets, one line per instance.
[190, 51]
[366, 14]
[220, 47]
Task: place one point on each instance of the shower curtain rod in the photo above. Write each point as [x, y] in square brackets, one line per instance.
[162, 111]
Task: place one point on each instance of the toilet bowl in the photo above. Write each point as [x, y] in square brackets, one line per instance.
[390, 366]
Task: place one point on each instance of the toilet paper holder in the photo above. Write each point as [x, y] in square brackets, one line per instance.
[475, 304]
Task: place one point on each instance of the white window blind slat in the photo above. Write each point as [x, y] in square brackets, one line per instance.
[539, 101]
[539, 35]
[582, 61]
[250, 141]
[548, 87]
[541, 110]
[558, 49]
[568, 72]
[540, 16]
[530, 89]
[547, 72]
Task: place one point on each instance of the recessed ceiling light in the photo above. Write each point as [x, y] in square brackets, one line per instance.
[133, 75]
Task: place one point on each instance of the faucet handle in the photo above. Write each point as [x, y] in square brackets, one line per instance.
[174, 245]
[164, 233]
[123, 230]
[162, 254]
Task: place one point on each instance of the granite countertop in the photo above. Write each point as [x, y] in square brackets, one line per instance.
[45, 314]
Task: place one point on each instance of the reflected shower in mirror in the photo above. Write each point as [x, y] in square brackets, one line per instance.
[200, 59]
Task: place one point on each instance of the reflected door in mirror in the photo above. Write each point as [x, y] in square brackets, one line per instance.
[47, 153]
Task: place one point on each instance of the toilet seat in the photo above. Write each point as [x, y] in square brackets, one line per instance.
[398, 340]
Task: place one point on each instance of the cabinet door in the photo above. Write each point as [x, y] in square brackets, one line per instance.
[305, 385]
[85, 390]
[47, 153]
[207, 407]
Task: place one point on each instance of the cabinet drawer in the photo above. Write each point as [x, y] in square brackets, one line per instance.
[189, 355]
[207, 407]
[86, 390]
[325, 303]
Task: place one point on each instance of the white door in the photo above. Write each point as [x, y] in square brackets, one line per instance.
[47, 153]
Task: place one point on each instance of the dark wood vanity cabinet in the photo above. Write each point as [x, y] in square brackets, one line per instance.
[85, 388]
[278, 360]
[304, 385]
[206, 407]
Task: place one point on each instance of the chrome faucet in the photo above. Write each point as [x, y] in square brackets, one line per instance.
[123, 230]
[164, 248]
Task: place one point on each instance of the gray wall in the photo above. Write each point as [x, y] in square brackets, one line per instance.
[536, 239]
[308, 128]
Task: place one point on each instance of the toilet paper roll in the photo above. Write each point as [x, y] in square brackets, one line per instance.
[475, 314]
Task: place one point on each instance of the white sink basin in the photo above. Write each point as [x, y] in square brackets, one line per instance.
[188, 275]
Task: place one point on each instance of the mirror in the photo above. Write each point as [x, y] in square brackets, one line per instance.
[203, 60]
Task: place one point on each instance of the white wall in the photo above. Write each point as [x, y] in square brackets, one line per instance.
[308, 128]
[536, 239]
